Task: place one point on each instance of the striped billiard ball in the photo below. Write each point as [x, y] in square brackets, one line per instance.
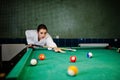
[89, 55]
[72, 70]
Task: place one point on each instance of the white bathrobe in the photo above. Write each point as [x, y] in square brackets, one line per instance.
[32, 38]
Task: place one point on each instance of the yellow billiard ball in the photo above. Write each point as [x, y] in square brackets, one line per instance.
[72, 70]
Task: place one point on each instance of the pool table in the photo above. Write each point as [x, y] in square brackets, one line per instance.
[104, 65]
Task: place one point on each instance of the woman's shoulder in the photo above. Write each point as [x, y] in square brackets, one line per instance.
[48, 35]
[31, 32]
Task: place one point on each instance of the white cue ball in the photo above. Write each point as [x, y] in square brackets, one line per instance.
[49, 48]
[33, 62]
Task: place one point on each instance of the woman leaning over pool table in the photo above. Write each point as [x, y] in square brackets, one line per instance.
[41, 37]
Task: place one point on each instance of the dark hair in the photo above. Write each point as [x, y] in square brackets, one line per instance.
[41, 26]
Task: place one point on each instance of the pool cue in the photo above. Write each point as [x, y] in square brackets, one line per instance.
[68, 49]
[52, 48]
[42, 46]
[37, 46]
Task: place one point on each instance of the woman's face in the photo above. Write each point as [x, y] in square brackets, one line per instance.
[42, 33]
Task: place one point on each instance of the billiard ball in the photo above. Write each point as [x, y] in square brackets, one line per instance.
[49, 48]
[72, 70]
[33, 62]
[73, 58]
[89, 55]
[41, 56]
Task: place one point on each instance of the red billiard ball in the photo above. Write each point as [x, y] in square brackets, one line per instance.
[41, 56]
[73, 58]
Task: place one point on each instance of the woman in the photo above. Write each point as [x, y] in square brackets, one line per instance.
[41, 37]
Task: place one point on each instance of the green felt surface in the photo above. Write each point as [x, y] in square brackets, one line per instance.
[103, 66]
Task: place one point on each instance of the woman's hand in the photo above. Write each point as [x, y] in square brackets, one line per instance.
[30, 46]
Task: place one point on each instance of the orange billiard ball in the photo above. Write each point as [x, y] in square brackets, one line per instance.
[41, 56]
